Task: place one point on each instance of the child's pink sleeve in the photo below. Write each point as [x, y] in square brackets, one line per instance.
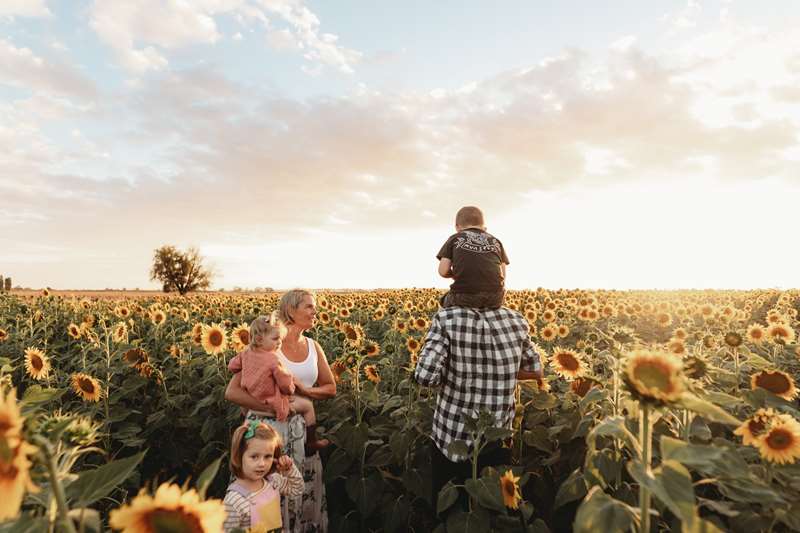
[235, 364]
[283, 378]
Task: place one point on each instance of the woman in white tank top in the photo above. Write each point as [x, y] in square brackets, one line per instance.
[306, 360]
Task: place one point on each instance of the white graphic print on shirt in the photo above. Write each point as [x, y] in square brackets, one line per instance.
[477, 242]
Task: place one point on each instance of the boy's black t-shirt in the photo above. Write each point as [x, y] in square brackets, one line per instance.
[476, 257]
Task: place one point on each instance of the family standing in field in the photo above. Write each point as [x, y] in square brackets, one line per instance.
[474, 352]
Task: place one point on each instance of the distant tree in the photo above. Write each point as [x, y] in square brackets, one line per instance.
[7, 284]
[2, 286]
[180, 271]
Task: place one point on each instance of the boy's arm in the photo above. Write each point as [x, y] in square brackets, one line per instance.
[445, 267]
[432, 356]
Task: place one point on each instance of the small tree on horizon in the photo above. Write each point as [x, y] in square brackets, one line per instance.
[180, 271]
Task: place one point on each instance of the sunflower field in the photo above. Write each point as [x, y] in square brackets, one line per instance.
[659, 411]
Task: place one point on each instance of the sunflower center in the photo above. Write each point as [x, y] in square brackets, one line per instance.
[244, 337]
[508, 488]
[173, 521]
[779, 439]
[215, 338]
[653, 376]
[774, 382]
[86, 385]
[756, 427]
[780, 332]
[36, 362]
[568, 361]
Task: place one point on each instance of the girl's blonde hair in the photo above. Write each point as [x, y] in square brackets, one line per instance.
[289, 303]
[263, 326]
[257, 430]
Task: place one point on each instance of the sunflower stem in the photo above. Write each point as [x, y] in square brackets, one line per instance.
[687, 425]
[55, 483]
[645, 435]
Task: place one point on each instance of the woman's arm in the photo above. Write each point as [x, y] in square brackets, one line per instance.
[326, 386]
[236, 394]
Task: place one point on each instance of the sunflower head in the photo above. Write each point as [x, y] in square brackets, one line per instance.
[777, 382]
[780, 333]
[733, 339]
[568, 363]
[372, 373]
[582, 386]
[3, 335]
[509, 486]
[653, 376]
[87, 387]
[74, 331]
[170, 509]
[413, 345]
[214, 339]
[754, 427]
[780, 441]
[37, 364]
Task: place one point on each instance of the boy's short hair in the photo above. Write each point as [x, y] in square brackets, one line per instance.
[239, 444]
[469, 216]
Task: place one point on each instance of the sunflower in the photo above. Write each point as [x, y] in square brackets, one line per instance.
[548, 316]
[654, 376]
[74, 331]
[135, 357]
[695, 367]
[45, 293]
[353, 334]
[240, 337]
[372, 349]
[157, 317]
[548, 332]
[372, 373]
[780, 443]
[753, 428]
[324, 317]
[14, 462]
[562, 331]
[567, 363]
[214, 339]
[86, 387]
[37, 364]
[413, 345]
[756, 333]
[175, 351]
[3, 335]
[338, 368]
[676, 346]
[122, 311]
[664, 319]
[582, 386]
[733, 339]
[679, 334]
[120, 332]
[171, 509]
[780, 333]
[777, 382]
[378, 315]
[509, 486]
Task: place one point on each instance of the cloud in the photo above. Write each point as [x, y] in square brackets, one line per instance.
[142, 31]
[24, 8]
[21, 67]
[123, 25]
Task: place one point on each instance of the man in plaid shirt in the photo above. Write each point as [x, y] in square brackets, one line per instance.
[475, 356]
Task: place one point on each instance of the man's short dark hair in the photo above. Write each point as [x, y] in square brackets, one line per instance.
[469, 216]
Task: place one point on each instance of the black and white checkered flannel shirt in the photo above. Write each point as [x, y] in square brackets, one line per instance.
[474, 355]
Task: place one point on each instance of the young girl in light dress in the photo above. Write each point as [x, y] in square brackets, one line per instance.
[263, 475]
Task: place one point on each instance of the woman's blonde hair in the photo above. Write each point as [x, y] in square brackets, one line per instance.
[263, 326]
[259, 431]
[289, 303]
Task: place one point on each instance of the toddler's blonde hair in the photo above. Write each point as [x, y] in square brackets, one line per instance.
[263, 326]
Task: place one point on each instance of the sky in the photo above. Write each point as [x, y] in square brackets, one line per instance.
[619, 145]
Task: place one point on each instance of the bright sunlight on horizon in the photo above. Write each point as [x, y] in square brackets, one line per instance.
[312, 144]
